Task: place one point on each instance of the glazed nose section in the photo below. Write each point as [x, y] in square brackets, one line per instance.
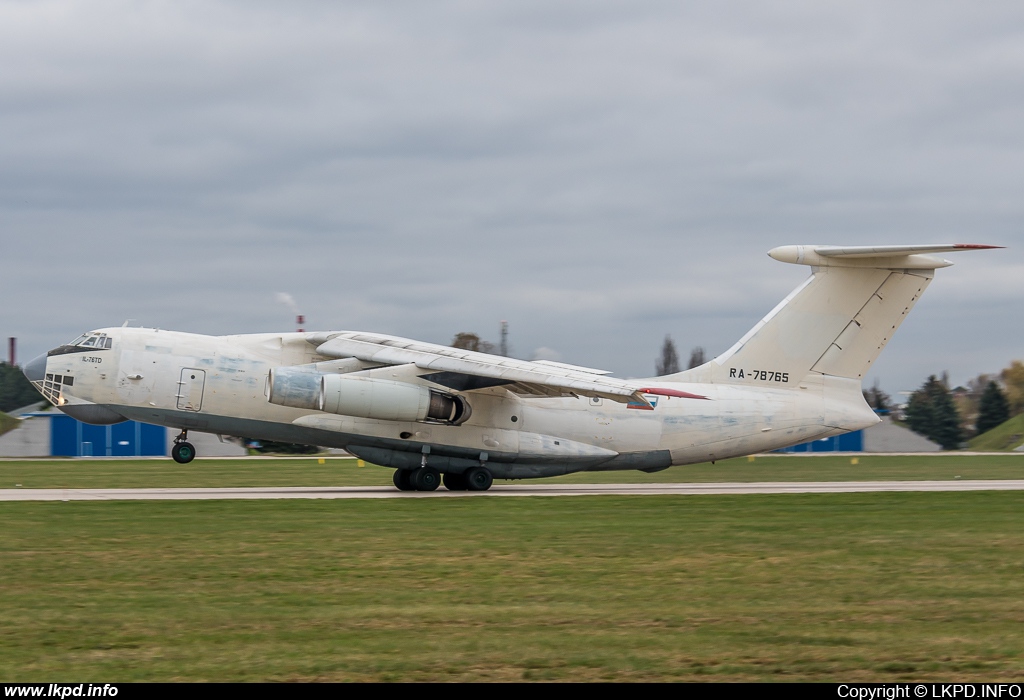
[36, 369]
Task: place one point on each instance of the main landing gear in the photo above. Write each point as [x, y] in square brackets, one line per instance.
[183, 452]
[428, 479]
[422, 479]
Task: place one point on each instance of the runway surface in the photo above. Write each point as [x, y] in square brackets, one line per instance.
[205, 494]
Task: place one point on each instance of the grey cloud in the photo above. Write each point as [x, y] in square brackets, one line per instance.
[599, 174]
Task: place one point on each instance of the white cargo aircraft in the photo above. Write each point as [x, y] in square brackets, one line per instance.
[438, 413]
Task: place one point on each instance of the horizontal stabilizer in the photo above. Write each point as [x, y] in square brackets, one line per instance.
[881, 256]
[874, 251]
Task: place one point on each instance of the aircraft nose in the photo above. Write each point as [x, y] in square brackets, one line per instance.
[36, 369]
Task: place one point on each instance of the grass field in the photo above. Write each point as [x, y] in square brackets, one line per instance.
[823, 587]
[268, 471]
[1008, 436]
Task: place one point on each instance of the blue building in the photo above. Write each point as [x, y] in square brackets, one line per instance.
[848, 442]
[72, 438]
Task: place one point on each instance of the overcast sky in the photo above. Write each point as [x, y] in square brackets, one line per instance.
[598, 174]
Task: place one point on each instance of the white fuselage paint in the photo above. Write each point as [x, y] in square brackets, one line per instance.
[218, 384]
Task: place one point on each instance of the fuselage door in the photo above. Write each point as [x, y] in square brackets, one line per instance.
[190, 389]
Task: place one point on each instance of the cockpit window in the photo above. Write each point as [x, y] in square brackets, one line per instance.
[100, 341]
[79, 339]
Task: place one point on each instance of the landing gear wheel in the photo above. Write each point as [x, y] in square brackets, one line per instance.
[401, 479]
[425, 479]
[183, 452]
[478, 479]
[455, 482]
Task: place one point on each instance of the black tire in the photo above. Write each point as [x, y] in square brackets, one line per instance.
[401, 479]
[455, 482]
[478, 479]
[183, 452]
[425, 479]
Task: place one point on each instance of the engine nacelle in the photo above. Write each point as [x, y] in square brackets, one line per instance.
[385, 399]
[296, 388]
[364, 397]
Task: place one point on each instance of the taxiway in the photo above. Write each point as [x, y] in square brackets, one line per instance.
[190, 494]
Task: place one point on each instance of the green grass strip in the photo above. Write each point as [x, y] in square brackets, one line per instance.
[819, 587]
[1007, 436]
[314, 471]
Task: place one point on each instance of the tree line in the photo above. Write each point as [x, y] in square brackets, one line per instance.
[668, 362]
[985, 403]
[948, 416]
[16, 391]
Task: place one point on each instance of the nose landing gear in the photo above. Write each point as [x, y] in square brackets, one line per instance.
[183, 452]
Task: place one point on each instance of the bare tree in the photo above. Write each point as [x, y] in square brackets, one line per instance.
[471, 341]
[697, 357]
[877, 399]
[669, 361]
[1013, 383]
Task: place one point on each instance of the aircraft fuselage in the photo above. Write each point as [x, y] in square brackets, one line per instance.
[219, 384]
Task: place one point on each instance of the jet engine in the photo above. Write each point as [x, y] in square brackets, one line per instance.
[364, 397]
[296, 388]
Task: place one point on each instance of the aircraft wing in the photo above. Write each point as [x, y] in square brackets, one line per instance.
[445, 363]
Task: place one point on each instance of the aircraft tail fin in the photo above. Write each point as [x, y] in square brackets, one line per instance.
[837, 321]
